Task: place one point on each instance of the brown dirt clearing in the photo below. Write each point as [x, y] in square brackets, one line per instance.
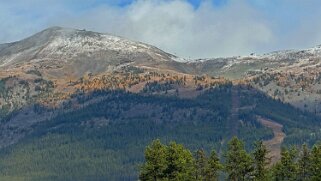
[274, 144]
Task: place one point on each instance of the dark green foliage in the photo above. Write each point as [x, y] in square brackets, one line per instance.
[63, 157]
[314, 172]
[213, 167]
[238, 163]
[155, 86]
[260, 161]
[105, 139]
[172, 162]
[180, 163]
[304, 163]
[156, 162]
[303, 166]
[287, 168]
[200, 164]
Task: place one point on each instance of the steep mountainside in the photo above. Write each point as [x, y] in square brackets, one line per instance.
[50, 66]
[68, 52]
[79, 105]
[54, 63]
[63, 55]
[104, 137]
[292, 76]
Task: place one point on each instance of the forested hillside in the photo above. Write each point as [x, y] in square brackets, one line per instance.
[105, 135]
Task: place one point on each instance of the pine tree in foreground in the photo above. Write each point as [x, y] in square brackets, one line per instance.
[200, 165]
[238, 163]
[156, 163]
[172, 162]
[213, 167]
[315, 168]
[304, 164]
[287, 168]
[260, 161]
[180, 163]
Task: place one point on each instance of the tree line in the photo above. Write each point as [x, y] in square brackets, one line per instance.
[175, 162]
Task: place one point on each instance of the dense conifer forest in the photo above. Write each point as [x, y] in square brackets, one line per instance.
[105, 136]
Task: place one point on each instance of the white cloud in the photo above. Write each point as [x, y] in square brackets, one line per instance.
[179, 28]
[236, 28]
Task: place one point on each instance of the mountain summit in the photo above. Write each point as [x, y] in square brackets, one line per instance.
[71, 48]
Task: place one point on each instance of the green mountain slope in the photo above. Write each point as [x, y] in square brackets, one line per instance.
[105, 140]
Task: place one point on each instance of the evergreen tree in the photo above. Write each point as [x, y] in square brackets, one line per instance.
[213, 167]
[260, 161]
[315, 169]
[176, 163]
[238, 163]
[304, 163]
[200, 165]
[286, 169]
[155, 162]
[180, 163]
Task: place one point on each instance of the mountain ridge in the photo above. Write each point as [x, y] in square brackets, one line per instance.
[66, 44]
[59, 32]
[65, 55]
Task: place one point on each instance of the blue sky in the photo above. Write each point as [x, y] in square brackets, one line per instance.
[188, 28]
[195, 3]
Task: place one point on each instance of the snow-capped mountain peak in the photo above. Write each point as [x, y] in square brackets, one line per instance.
[67, 44]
